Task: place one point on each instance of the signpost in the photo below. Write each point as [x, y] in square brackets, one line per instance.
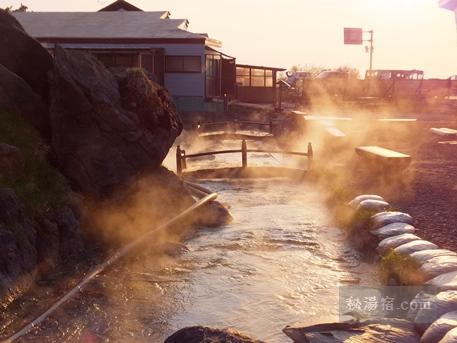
[354, 36]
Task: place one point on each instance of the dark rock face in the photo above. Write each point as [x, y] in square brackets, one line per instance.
[23, 55]
[101, 145]
[11, 161]
[17, 97]
[18, 253]
[201, 334]
[30, 247]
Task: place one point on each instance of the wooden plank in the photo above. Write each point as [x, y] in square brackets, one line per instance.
[381, 152]
[335, 132]
[443, 131]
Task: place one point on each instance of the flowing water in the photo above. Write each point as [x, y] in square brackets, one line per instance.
[279, 262]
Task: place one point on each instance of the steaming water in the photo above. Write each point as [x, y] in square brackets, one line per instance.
[279, 262]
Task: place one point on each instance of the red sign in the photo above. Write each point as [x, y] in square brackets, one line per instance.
[353, 36]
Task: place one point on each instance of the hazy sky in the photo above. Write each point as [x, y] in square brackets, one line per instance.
[408, 33]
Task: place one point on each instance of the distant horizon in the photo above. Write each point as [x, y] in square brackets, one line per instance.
[409, 34]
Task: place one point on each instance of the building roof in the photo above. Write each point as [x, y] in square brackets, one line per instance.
[120, 5]
[448, 4]
[105, 25]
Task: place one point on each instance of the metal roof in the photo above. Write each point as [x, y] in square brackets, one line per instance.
[110, 25]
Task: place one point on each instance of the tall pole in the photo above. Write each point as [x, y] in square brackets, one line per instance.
[371, 49]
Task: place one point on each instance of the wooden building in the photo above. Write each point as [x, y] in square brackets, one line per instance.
[188, 64]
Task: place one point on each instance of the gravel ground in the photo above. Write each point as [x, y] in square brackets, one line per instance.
[428, 190]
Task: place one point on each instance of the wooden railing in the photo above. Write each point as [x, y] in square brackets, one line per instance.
[181, 156]
[232, 126]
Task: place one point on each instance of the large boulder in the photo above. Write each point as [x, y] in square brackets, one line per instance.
[100, 144]
[201, 334]
[17, 97]
[23, 55]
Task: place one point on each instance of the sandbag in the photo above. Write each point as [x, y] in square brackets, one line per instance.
[395, 241]
[439, 305]
[424, 255]
[393, 229]
[385, 218]
[444, 282]
[439, 265]
[411, 247]
[357, 200]
[451, 337]
[373, 205]
[440, 328]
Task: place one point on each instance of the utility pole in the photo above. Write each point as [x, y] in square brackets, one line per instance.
[371, 40]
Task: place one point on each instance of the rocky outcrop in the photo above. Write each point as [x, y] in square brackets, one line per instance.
[18, 253]
[11, 161]
[30, 246]
[101, 145]
[23, 55]
[17, 97]
[201, 334]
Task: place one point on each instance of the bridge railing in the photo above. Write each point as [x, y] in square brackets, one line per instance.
[232, 126]
[182, 156]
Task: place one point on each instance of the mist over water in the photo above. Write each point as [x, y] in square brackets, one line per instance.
[279, 262]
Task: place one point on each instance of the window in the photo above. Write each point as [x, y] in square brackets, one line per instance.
[243, 76]
[182, 64]
[254, 77]
[115, 59]
[213, 76]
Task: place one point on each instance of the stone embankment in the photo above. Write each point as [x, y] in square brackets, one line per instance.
[404, 260]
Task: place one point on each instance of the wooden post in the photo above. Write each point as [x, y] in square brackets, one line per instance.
[225, 103]
[178, 161]
[244, 153]
[271, 126]
[183, 159]
[310, 155]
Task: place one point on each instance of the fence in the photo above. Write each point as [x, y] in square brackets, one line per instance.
[181, 156]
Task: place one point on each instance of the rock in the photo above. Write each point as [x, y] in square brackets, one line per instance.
[395, 241]
[201, 334]
[18, 255]
[354, 203]
[439, 265]
[439, 305]
[424, 255]
[100, 145]
[379, 330]
[214, 214]
[11, 161]
[23, 55]
[444, 282]
[451, 337]
[393, 229]
[373, 205]
[386, 218]
[417, 245]
[17, 97]
[440, 328]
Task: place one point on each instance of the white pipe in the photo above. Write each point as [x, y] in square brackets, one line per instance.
[119, 254]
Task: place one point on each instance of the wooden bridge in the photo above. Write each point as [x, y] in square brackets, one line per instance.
[244, 170]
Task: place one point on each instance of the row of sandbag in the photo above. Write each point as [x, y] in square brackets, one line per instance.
[436, 268]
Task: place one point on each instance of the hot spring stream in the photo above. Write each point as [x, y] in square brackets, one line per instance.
[279, 262]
